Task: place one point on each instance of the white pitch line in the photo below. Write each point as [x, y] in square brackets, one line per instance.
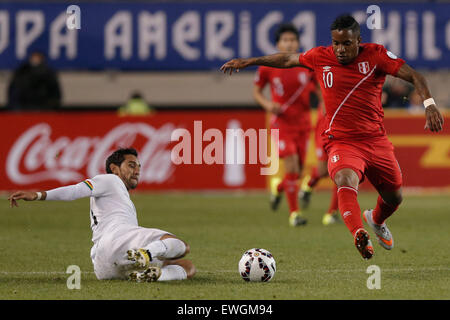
[235, 271]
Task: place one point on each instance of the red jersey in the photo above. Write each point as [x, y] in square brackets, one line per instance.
[321, 125]
[352, 92]
[291, 88]
[321, 118]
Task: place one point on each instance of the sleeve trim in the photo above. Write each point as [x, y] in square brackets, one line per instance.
[89, 184]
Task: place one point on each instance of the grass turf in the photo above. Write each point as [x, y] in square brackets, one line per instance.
[38, 241]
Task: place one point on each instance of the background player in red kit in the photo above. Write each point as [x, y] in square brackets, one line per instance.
[291, 90]
[351, 76]
[321, 171]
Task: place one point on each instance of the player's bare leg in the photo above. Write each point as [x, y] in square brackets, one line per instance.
[308, 184]
[347, 182]
[277, 185]
[310, 181]
[332, 215]
[289, 185]
[275, 193]
[387, 204]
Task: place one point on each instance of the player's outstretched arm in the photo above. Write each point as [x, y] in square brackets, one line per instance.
[434, 119]
[67, 193]
[25, 195]
[278, 60]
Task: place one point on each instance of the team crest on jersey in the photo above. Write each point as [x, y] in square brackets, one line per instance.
[363, 67]
[335, 158]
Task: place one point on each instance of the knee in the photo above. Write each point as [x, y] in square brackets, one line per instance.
[392, 198]
[399, 199]
[187, 247]
[293, 170]
[292, 165]
[346, 178]
[396, 200]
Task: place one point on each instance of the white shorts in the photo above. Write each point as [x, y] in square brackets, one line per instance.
[109, 253]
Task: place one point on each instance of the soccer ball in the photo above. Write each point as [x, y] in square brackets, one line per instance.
[257, 265]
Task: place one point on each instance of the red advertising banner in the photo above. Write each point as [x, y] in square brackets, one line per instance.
[48, 150]
[424, 157]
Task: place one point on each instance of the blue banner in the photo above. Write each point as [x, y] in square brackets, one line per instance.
[201, 36]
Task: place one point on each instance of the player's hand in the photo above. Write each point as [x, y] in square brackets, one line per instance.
[21, 195]
[275, 108]
[234, 66]
[434, 119]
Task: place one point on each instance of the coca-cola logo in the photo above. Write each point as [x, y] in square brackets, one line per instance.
[35, 157]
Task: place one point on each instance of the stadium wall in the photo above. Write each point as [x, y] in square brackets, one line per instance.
[86, 90]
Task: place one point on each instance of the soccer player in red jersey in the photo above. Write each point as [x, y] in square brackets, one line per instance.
[291, 90]
[320, 171]
[351, 75]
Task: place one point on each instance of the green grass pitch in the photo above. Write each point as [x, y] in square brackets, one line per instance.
[39, 240]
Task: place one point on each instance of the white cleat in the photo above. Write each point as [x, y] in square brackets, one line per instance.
[382, 232]
[151, 274]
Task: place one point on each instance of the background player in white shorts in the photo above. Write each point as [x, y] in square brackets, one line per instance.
[122, 249]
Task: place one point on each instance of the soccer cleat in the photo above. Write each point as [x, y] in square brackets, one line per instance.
[275, 196]
[275, 202]
[151, 274]
[330, 218]
[363, 244]
[141, 258]
[296, 219]
[305, 192]
[382, 232]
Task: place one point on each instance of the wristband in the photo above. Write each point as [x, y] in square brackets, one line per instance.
[39, 195]
[428, 102]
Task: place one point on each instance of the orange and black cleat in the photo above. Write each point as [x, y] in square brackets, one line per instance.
[363, 244]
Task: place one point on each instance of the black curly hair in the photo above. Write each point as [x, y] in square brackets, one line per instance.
[118, 156]
[345, 22]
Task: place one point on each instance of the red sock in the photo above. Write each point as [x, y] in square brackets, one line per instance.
[382, 211]
[290, 187]
[349, 208]
[314, 178]
[334, 201]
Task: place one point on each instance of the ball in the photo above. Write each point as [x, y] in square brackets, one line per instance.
[257, 265]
